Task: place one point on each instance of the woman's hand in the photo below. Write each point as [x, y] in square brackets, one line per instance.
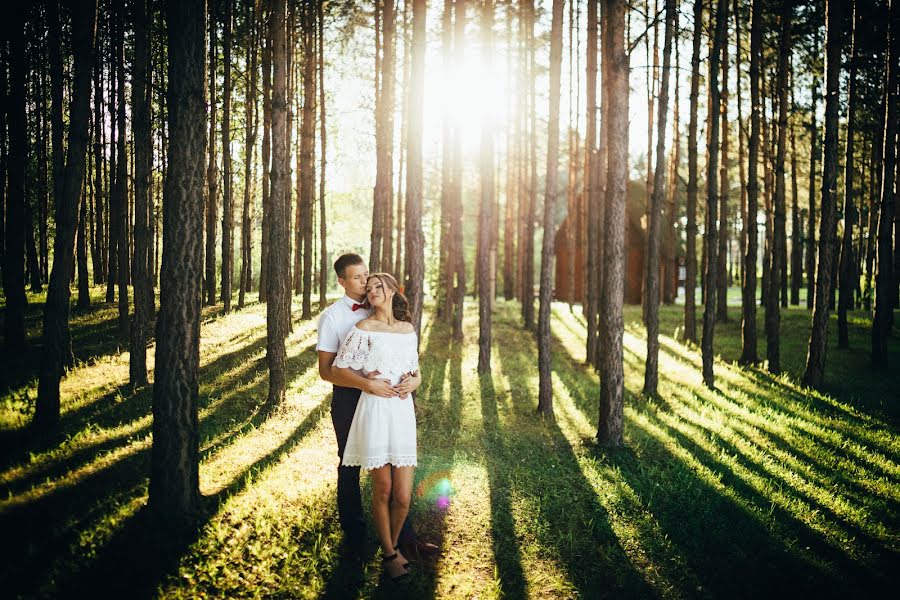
[409, 383]
[380, 387]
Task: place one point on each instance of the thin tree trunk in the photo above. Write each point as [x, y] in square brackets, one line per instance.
[651, 371]
[264, 262]
[690, 279]
[56, 350]
[712, 274]
[773, 310]
[278, 278]
[227, 183]
[384, 113]
[415, 241]
[307, 174]
[796, 225]
[84, 290]
[323, 230]
[486, 212]
[455, 248]
[249, 150]
[815, 359]
[121, 192]
[724, 280]
[811, 223]
[143, 162]
[545, 389]
[847, 274]
[610, 429]
[885, 286]
[591, 287]
[528, 250]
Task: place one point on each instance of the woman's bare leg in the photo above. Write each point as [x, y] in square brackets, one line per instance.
[381, 493]
[401, 493]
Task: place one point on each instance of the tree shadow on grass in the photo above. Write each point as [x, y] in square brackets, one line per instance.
[51, 526]
[543, 471]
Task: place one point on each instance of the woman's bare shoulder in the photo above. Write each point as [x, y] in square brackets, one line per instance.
[368, 324]
[405, 327]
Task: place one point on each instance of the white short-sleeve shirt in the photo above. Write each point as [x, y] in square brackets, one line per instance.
[336, 321]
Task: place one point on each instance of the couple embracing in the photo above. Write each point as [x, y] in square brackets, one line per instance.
[368, 349]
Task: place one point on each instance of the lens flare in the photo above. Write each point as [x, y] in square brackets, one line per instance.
[436, 488]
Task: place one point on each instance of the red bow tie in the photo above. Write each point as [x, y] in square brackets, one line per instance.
[356, 307]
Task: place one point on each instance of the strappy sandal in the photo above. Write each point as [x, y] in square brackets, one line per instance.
[406, 564]
[387, 559]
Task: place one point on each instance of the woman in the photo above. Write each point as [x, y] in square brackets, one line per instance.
[382, 437]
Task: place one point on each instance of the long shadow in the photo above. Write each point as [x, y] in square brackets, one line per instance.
[578, 533]
[51, 525]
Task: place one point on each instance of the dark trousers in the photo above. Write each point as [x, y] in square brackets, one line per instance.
[343, 407]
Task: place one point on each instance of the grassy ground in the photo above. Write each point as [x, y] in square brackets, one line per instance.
[762, 488]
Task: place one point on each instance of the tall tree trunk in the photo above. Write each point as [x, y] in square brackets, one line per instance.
[530, 213]
[113, 208]
[773, 310]
[486, 212]
[751, 245]
[545, 389]
[591, 288]
[174, 472]
[14, 269]
[811, 223]
[610, 428]
[227, 183]
[874, 202]
[278, 278]
[815, 359]
[99, 206]
[84, 289]
[768, 181]
[307, 175]
[651, 371]
[143, 162]
[670, 266]
[415, 240]
[264, 262]
[323, 229]
[796, 225]
[249, 151]
[847, 275]
[690, 278]
[56, 351]
[447, 270]
[56, 98]
[723, 282]
[121, 192]
[885, 286]
[211, 171]
[384, 115]
[455, 248]
[709, 321]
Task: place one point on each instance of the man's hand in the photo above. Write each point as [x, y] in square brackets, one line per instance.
[409, 383]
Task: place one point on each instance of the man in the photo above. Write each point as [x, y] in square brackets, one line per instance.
[335, 323]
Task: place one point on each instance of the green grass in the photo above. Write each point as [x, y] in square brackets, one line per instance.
[762, 488]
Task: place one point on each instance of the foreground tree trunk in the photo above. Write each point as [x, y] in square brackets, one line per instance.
[56, 352]
[486, 211]
[709, 307]
[592, 287]
[415, 239]
[610, 429]
[384, 116]
[690, 277]
[174, 472]
[651, 371]
[545, 388]
[885, 286]
[847, 275]
[815, 358]
[143, 162]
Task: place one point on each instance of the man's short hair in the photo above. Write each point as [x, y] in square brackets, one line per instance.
[346, 260]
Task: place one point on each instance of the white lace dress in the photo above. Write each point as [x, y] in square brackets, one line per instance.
[383, 429]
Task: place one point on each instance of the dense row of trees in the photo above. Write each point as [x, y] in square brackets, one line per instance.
[146, 186]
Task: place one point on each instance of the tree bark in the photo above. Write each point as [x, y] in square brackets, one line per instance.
[457, 281]
[811, 223]
[847, 275]
[486, 213]
[384, 138]
[651, 371]
[545, 387]
[710, 280]
[56, 351]
[690, 279]
[885, 286]
[610, 428]
[591, 288]
[773, 310]
[14, 268]
[174, 473]
[751, 245]
[249, 154]
[266, 152]
[323, 229]
[796, 225]
[815, 358]
[307, 174]
[121, 193]
[143, 162]
[415, 240]
[227, 183]
[212, 179]
[723, 282]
